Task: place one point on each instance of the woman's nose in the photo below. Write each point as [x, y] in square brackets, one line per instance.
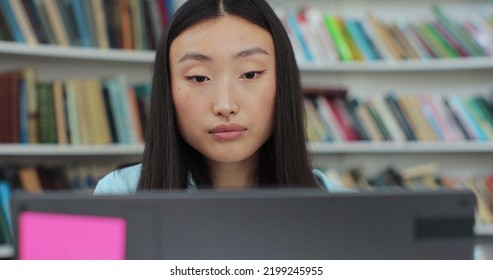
[225, 101]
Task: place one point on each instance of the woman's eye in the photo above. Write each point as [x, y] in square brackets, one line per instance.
[197, 79]
[251, 75]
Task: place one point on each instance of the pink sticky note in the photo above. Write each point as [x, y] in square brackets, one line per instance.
[49, 236]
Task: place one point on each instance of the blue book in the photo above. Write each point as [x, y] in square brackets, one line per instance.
[427, 112]
[23, 114]
[117, 110]
[81, 23]
[359, 38]
[12, 23]
[293, 24]
[125, 110]
[5, 195]
[457, 103]
[170, 7]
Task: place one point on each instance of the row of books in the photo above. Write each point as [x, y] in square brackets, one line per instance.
[36, 179]
[422, 176]
[319, 37]
[123, 24]
[398, 117]
[39, 178]
[90, 111]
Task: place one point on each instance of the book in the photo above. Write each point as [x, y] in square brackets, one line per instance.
[298, 35]
[135, 13]
[5, 196]
[451, 39]
[394, 130]
[323, 108]
[351, 105]
[41, 15]
[12, 23]
[411, 37]
[100, 24]
[479, 117]
[98, 118]
[29, 76]
[421, 121]
[446, 120]
[395, 108]
[357, 33]
[84, 113]
[56, 22]
[434, 120]
[382, 33]
[82, 23]
[375, 115]
[29, 179]
[402, 42]
[113, 24]
[23, 21]
[458, 120]
[457, 31]
[126, 24]
[60, 114]
[459, 105]
[47, 127]
[334, 27]
[23, 114]
[90, 20]
[315, 21]
[368, 122]
[342, 118]
[135, 116]
[311, 38]
[73, 128]
[5, 34]
[69, 20]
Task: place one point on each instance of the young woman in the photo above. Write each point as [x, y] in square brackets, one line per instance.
[226, 105]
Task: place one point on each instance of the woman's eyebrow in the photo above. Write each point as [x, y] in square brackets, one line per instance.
[250, 52]
[242, 54]
[195, 56]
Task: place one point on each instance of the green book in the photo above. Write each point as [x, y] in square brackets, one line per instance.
[458, 32]
[484, 109]
[47, 129]
[479, 117]
[451, 52]
[335, 31]
[438, 49]
[378, 120]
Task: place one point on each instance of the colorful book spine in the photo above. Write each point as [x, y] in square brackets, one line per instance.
[337, 36]
[12, 23]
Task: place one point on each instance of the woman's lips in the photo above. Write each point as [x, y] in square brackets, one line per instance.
[228, 131]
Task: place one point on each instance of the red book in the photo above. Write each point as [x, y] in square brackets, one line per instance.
[451, 39]
[343, 119]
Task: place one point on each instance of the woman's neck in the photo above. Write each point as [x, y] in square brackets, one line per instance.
[238, 175]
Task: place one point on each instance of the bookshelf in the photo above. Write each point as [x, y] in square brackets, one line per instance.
[463, 76]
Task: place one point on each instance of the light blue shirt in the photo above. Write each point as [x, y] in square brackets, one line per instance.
[125, 180]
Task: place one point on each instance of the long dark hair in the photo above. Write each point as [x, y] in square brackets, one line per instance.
[168, 160]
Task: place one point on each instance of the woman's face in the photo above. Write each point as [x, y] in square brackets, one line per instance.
[223, 84]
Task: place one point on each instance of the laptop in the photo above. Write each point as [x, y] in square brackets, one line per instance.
[263, 224]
